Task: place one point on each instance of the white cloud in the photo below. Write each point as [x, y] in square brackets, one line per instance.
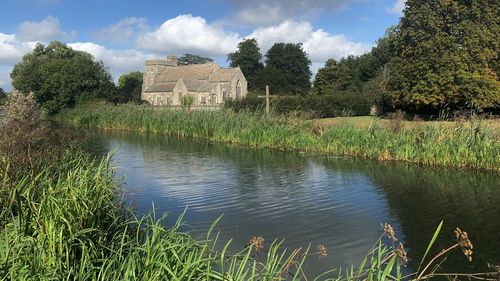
[118, 61]
[11, 49]
[319, 44]
[266, 12]
[186, 33]
[122, 31]
[45, 30]
[183, 34]
[397, 8]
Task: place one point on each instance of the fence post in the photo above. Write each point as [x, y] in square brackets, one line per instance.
[267, 100]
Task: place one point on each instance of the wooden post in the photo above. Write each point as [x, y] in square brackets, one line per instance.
[267, 100]
[267, 96]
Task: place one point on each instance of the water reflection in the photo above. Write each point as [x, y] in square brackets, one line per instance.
[307, 199]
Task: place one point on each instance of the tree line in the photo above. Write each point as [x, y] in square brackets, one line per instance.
[442, 54]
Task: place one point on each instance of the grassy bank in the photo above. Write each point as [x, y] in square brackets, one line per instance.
[463, 145]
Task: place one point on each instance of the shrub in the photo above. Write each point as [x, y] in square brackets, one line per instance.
[26, 141]
[317, 106]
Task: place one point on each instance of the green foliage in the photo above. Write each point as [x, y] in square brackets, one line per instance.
[364, 75]
[186, 102]
[325, 106]
[447, 56]
[59, 76]
[249, 59]
[130, 87]
[287, 70]
[193, 59]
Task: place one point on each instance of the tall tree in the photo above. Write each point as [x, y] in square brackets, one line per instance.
[249, 59]
[292, 63]
[348, 74]
[59, 76]
[327, 78]
[130, 87]
[447, 55]
[193, 59]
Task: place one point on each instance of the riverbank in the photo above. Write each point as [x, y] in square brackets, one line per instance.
[463, 145]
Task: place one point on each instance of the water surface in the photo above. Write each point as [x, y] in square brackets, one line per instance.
[308, 199]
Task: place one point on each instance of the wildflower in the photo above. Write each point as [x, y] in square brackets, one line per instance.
[400, 251]
[257, 242]
[322, 250]
[464, 243]
[389, 231]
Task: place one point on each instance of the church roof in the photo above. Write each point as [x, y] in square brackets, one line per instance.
[187, 72]
[161, 87]
[223, 74]
[195, 77]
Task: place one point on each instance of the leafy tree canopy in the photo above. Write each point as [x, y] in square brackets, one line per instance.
[249, 59]
[59, 76]
[288, 64]
[130, 87]
[447, 55]
[193, 59]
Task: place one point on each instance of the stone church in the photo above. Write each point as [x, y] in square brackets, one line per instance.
[166, 82]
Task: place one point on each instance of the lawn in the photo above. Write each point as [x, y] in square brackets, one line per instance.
[367, 121]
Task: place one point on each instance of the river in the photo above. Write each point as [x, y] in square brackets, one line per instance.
[308, 199]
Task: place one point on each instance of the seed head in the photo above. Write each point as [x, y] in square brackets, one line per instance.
[400, 251]
[389, 231]
[322, 250]
[464, 243]
[258, 243]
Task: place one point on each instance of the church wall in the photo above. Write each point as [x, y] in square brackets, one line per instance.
[158, 99]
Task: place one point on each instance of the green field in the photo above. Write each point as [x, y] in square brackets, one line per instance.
[367, 121]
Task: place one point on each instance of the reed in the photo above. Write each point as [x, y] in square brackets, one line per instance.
[463, 145]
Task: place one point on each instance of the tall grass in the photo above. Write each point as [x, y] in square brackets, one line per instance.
[465, 145]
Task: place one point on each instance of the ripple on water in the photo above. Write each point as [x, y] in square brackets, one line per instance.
[305, 200]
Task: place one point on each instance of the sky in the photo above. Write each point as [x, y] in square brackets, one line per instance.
[123, 34]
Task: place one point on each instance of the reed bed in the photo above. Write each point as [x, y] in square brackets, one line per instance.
[464, 145]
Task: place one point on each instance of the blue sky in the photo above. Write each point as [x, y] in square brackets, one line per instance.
[125, 33]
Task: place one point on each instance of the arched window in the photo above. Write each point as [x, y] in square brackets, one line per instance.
[238, 89]
[214, 99]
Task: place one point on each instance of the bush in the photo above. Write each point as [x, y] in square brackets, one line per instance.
[27, 143]
[352, 104]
